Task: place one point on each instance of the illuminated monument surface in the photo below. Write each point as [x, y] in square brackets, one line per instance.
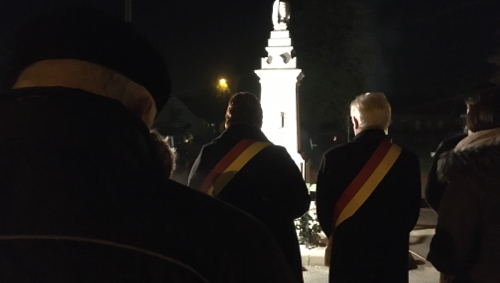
[280, 80]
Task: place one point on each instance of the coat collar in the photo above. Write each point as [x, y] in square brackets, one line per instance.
[56, 117]
[370, 134]
[238, 132]
[477, 162]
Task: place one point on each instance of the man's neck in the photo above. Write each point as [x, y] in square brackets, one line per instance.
[359, 131]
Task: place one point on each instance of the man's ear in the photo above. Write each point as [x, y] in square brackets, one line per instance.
[355, 123]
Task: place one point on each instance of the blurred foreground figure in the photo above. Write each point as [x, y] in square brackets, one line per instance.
[368, 199]
[466, 246]
[84, 193]
[166, 152]
[434, 188]
[243, 168]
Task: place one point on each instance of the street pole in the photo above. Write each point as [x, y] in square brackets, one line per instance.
[128, 11]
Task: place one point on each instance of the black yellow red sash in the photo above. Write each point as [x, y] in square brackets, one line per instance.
[230, 164]
[363, 185]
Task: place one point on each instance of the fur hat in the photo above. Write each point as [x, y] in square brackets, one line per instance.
[82, 33]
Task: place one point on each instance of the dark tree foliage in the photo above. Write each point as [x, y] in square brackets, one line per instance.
[339, 56]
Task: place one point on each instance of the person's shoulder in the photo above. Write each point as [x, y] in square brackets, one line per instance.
[209, 209]
[404, 150]
[223, 142]
[274, 156]
[210, 148]
[276, 149]
[339, 150]
[207, 146]
[217, 231]
[407, 152]
[449, 143]
[408, 156]
[454, 139]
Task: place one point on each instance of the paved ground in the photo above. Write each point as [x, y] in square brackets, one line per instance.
[425, 273]
[420, 237]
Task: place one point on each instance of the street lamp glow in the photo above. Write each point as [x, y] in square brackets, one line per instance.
[223, 87]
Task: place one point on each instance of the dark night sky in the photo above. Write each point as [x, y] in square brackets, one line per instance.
[431, 49]
[200, 39]
[440, 49]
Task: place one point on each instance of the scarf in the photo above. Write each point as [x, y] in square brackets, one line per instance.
[478, 139]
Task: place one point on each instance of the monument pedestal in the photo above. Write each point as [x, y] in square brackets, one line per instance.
[279, 102]
[280, 80]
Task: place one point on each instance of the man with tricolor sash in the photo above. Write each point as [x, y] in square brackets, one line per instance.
[243, 168]
[368, 199]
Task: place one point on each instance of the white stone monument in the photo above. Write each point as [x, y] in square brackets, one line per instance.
[280, 80]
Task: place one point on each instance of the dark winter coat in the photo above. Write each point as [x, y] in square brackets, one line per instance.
[82, 200]
[269, 187]
[372, 245]
[467, 239]
[434, 188]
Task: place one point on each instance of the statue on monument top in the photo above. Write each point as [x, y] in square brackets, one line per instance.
[281, 14]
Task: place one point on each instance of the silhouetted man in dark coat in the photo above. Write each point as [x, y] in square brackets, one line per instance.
[269, 187]
[371, 245]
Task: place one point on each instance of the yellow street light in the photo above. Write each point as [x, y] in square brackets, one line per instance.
[222, 86]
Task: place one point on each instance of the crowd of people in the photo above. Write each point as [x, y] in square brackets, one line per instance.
[86, 196]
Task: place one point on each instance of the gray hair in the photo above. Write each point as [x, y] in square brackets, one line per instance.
[372, 110]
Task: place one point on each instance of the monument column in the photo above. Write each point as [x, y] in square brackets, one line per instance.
[280, 80]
